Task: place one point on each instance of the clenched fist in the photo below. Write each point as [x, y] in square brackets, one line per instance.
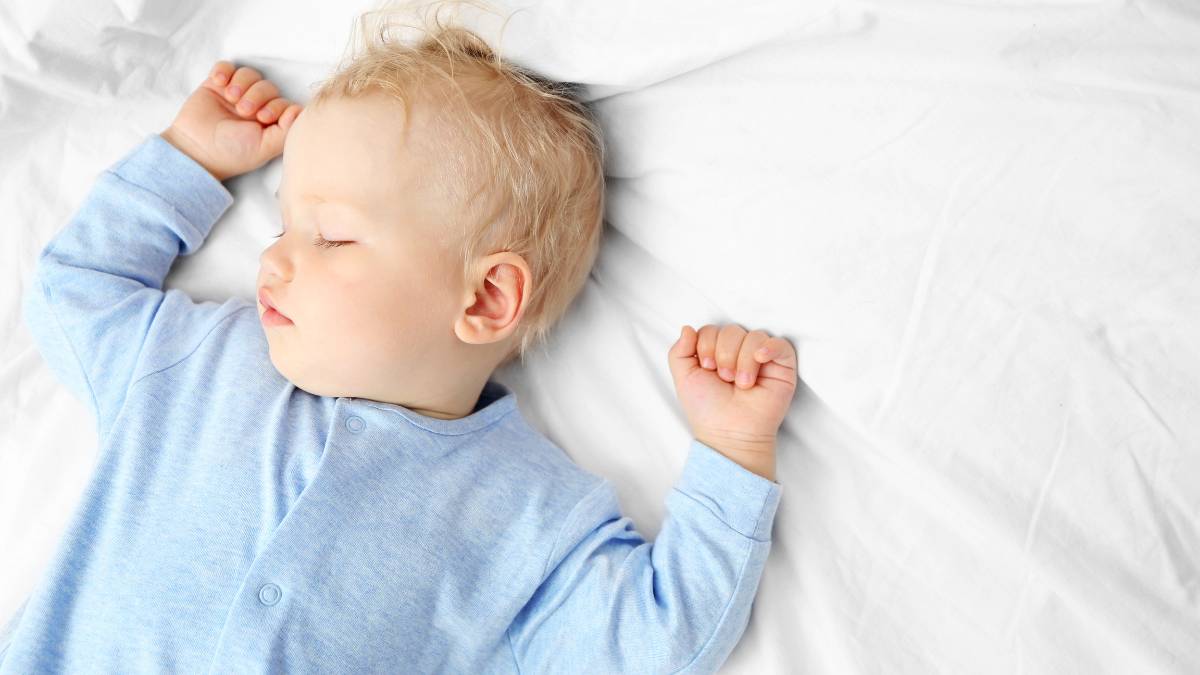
[737, 417]
[233, 123]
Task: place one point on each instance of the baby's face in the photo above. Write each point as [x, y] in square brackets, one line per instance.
[379, 309]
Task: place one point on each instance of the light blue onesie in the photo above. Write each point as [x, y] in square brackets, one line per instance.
[237, 524]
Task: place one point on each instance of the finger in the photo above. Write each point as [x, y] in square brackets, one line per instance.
[238, 84]
[747, 367]
[681, 358]
[275, 134]
[259, 93]
[778, 360]
[288, 117]
[706, 346]
[221, 72]
[729, 343]
[778, 350]
[272, 110]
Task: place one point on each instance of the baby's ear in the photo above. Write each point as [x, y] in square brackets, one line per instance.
[498, 301]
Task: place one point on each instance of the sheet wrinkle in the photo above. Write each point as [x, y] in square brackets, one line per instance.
[867, 588]
[130, 9]
[1104, 346]
[636, 180]
[1075, 568]
[865, 21]
[1091, 581]
[872, 598]
[635, 277]
[701, 67]
[1178, 558]
[920, 119]
[920, 295]
[1158, 89]
[1031, 528]
[1180, 12]
[917, 305]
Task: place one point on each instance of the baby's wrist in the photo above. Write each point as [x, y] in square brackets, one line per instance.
[758, 457]
[184, 145]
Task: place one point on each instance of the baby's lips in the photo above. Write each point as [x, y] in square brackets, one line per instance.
[265, 299]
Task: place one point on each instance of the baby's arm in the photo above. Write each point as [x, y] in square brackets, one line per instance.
[612, 603]
[94, 303]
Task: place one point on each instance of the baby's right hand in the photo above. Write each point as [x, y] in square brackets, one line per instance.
[233, 123]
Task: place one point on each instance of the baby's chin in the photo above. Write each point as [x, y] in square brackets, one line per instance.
[285, 367]
[315, 384]
[281, 366]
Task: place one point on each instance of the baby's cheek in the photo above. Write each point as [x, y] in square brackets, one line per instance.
[366, 314]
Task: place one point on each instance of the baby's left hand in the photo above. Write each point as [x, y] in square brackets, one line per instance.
[740, 417]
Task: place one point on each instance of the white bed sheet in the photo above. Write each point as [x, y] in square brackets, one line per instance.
[976, 221]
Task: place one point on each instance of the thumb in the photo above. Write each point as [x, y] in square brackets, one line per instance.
[272, 141]
[681, 358]
[275, 134]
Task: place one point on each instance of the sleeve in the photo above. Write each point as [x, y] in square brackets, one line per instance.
[611, 602]
[95, 304]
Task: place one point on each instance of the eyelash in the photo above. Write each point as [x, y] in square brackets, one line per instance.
[320, 241]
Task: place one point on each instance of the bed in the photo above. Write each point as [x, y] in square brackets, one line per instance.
[977, 222]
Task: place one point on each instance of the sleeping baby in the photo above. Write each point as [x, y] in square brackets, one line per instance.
[328, 479]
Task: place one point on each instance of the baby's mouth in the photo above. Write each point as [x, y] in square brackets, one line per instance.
[271, 315]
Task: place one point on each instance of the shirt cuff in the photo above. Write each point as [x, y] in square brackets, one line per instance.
[744, 500]
[165, 170]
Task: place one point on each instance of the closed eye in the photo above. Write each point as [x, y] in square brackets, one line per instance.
[321, 241]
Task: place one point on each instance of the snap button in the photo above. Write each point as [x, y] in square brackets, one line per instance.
[269, 594]
[355, 424]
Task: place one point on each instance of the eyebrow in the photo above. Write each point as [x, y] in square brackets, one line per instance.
[362, 213]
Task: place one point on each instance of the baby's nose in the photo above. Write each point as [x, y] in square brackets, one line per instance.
[274, 261]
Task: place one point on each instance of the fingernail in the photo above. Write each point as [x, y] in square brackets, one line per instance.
[743, 378]
[726, 374]
[219, 78]
[707, 362]
[244, 107]
[234, 91]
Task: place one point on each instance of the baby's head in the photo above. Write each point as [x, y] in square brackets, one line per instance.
[470, 195]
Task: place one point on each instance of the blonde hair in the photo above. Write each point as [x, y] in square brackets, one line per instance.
[542, 154]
